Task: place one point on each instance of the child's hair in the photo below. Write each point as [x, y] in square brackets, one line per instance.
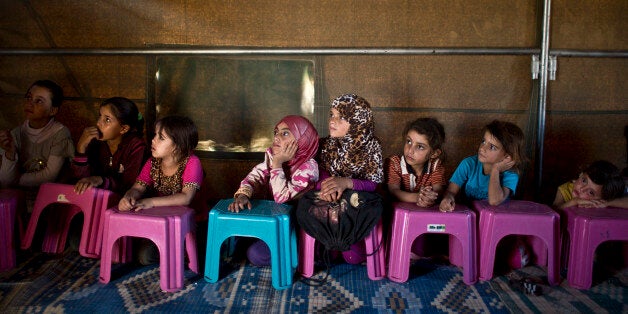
[182, 131]
[127, 113]
[54, 88]
[432, 129]
[604, 173]
[511, 138]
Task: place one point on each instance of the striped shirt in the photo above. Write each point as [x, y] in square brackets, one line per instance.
[399, 173]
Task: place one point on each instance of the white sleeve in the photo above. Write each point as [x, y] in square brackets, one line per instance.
[48, 174]
[8, 170]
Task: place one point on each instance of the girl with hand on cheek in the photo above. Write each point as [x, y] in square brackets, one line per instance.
[110, 154]
[493, 173]
[288, 171]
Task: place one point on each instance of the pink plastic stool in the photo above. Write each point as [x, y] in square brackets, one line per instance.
[588, 228]
[520, 218]
[375, 263]
[92, 203]
[410, 221]
[167, 227]
[8, 213]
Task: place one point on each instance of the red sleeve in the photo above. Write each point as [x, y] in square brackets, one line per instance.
[131, 159]
[392, 168]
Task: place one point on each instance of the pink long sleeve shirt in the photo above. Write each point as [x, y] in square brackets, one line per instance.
[283, 189]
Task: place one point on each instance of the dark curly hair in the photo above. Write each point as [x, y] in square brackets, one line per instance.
[432, 129]
[604, 173]
[127, 113]
[182, 131]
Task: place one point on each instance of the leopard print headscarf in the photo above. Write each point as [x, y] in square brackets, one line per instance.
[358, 154]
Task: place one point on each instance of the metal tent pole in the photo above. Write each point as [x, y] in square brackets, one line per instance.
[542, 96]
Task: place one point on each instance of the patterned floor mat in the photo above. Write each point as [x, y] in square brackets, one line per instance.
[68, 283]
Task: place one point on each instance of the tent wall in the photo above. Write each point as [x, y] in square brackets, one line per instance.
[586, 104]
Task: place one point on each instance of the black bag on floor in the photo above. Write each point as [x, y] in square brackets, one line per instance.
[338, 225]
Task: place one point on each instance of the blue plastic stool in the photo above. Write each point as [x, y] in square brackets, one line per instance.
[267, 221]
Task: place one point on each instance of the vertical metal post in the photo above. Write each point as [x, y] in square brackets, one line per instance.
[150, 113]
[542, 96]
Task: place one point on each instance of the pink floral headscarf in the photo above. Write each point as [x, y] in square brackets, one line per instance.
[307, 139]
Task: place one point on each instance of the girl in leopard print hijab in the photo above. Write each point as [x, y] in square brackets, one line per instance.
[350, 160]
[357, 153]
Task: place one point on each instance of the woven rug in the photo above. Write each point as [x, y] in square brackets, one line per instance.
[68, 283]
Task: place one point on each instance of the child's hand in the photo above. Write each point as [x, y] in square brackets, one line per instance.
[504, 164]
[239, 203]
[85, 183]
[89, 133]
[7, 144]
[284, 154]
[5, 139]
[447, 204]
[332, 188]
[143, 204]
[427, 197]
[590, 203]
[126, 203]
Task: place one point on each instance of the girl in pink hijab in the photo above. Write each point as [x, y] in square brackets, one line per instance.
[288, 171]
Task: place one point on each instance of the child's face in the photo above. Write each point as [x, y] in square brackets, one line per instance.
[162, 145]
[491, 150]
[338, 126]
[585, 189]
[417, 150]
[38, 106]
[282, 137]
[108, 125]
